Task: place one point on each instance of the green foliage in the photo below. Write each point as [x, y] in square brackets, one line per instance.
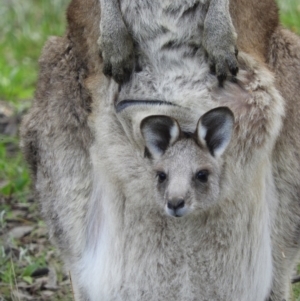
[25, 26]
[14, 175]
[290, 14]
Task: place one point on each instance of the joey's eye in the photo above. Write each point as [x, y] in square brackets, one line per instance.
[161, 176]
[202, 175]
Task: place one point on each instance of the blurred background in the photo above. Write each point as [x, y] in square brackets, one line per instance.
[29, 265]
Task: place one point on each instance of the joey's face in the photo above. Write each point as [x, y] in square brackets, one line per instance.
[187, 171]
[187, 178]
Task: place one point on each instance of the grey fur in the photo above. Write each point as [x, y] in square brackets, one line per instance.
[115, 42]
[219, 37]
[56, 139]
[134, 250]
[188, 185]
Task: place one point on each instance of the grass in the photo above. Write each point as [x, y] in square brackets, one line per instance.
[14, 175]
[24, 27]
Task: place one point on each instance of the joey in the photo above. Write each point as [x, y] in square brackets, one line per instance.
[188, 167]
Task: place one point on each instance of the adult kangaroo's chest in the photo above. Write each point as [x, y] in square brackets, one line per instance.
[168, 36]
[176, 21]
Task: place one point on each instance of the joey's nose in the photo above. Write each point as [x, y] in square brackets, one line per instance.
[175, 205]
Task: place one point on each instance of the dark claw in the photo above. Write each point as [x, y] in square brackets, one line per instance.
[221, 78]
[119, 77]
[127, 73]
[221, 68]
[138, 68]
[236, 52]
[122, 74]
[234, 70]
[232, 65]
[212, 69]
[107, 70]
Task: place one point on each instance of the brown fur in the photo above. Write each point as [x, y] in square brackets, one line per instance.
[255, 21]
[56, 127]
[284, 59]
[83, 31]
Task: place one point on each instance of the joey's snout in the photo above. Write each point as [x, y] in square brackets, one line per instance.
[176, 207]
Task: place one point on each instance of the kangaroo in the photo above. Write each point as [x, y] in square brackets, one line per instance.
[219, 38]
[266, 45]
[136, 245]
[68, 135]
[194, 184]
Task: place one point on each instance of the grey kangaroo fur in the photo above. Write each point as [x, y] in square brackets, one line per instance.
[57, 128]
[185, 186]
[117, 45]
[133, 248]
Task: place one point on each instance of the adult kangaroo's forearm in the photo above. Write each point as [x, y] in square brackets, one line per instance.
[110, 9]
[219, 39]
[115, 42]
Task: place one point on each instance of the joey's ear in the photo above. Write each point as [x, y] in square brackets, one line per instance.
[159, 133]
[214, 130]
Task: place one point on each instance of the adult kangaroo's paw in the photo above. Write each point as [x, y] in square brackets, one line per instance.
[219, 40]
[223, 63]
[117, 51]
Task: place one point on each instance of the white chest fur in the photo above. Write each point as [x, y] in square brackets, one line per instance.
[138, 253]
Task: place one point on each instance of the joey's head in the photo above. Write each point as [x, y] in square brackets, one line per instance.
[187, 168]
